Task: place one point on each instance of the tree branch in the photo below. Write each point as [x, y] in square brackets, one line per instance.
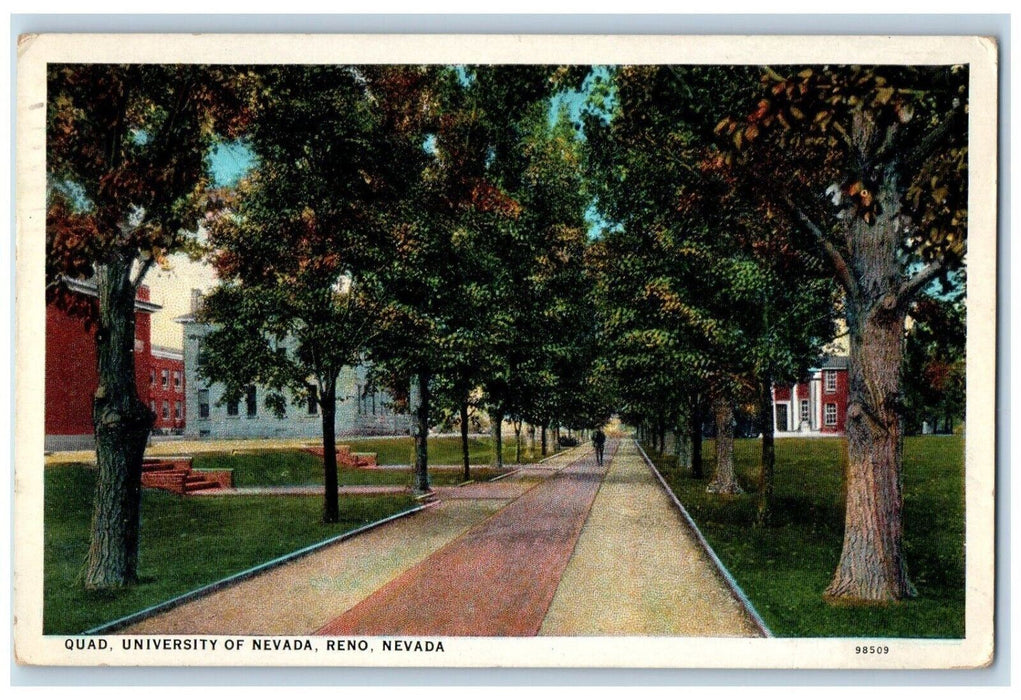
[843, 272]
[907, 291]
[142, 271]
[931, 142]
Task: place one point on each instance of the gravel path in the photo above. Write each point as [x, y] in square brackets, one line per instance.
[638, 570]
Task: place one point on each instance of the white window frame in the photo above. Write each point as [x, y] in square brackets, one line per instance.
[830, 414]
[830, 380]
[805, 411]
[165, 378]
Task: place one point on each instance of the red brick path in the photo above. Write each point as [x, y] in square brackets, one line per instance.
[498, 579]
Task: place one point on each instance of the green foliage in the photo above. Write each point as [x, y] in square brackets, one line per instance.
[934, 364]
[126, 154]
[291, 244]
[699, 293]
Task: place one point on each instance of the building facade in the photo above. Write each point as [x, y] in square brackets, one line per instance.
[167, 390]
[816, 405]
[72, 375]
[359, 411]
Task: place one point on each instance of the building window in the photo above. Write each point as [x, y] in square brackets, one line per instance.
[804, 411]
[177, 381]
[152, 379]
[165, 378]
[152, 406]
[830, 413]
[233, 408]
[313, 400]
[177, 410]
[166, 410]
[250, 401]
[203, 403]
[831, 382]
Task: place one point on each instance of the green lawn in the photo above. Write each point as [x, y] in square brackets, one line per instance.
[442, 450]
[295, 467]
[186, 543]
[784, 569]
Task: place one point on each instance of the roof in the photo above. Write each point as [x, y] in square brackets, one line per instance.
[167, 353]
[90, 289]
[834, 362]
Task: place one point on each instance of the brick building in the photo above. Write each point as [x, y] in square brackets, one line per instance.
[167, 390]
[816, 405]
[71, 373]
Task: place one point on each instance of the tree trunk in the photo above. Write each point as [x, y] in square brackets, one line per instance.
[544, 442]
[496, 419]
[764, 516]
[723, 479]
[682, 442]
[697, 470]
[872, 566]
[464, 441]
[328, 402]
[517, 442]
[122, 423]
[419, 405]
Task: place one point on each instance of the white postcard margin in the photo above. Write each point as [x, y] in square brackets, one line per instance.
[975, 650]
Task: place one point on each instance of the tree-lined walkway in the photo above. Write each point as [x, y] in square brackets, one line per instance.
[638, 570]
[564, 547]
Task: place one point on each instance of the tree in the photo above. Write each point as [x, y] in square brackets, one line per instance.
[934, 366]
[293, 244]
[871, 164]
[717, 297]
[126, 166]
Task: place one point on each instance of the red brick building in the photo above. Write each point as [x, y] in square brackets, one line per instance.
[815, 406]
[166, 390]
[71, 373]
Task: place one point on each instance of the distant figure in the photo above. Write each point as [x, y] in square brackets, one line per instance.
[599, 439]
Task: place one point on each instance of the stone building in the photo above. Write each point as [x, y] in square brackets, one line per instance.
[359, 410]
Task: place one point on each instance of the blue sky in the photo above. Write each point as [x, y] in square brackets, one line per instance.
[228, 162]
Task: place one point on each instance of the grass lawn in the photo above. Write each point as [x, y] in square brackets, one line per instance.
[784, 569]
[295, 467]
[186, 543]
[442, 450]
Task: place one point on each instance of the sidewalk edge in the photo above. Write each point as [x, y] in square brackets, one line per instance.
[127, 620]
[731, 582]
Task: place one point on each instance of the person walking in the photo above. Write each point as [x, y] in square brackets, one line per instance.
[599, 440]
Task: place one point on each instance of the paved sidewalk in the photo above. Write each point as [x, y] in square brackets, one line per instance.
[304, 595]
[560, 548]
[638, 570]
[495, 580]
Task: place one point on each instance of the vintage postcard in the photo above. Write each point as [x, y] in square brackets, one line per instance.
[506, 351]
